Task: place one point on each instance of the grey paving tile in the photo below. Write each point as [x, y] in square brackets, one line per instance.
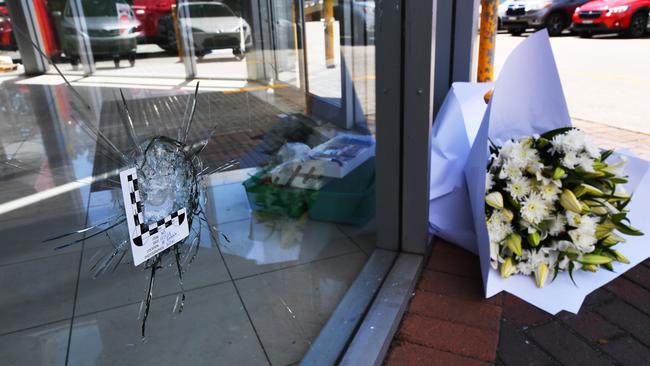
[212, 329]
[514, 349]
[128, 284]
[628, 318]
[45, 345]
[37, 292]
[262, 245]
[565, 346]
[628, 351]
[289, 307]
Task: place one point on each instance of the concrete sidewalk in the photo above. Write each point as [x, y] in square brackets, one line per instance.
[448, 322]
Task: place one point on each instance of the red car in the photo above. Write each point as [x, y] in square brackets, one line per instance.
[149, 13]
[629, 17]
[7, 41]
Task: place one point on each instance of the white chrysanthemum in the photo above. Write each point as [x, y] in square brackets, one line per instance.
[557, 144]
[511, 170]
[588, 225]
[489, 182]
[506, 150]
[550, 192]
[498, 229]
[524, 266]
[519, 187]
[574, 141]
[532, 259]
[522, 155]
[570, 159]
[586, 163]
[573, 219]
[592, 149]
[558, 225]
[534, 209]
[583, 242]
[535, 168]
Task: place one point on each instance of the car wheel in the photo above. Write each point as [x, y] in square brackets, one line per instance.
[74, 62]
[132, 59]
[586, 34]
[516, 32]
[555, 24]
[167, 35]
[239, 55]
[638, 25]
[116, 61]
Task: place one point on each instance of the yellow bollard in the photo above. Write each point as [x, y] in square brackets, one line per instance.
[329, 33]
[489, 19]
[179, 44]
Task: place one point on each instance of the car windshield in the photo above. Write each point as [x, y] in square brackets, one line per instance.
[98, 8]
[208, 11]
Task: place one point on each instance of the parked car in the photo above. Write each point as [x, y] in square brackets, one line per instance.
[501, 10]
[7, 40]
[149, 13]
[554, 15]
[213, 25]
[112, 30]
[628, 17]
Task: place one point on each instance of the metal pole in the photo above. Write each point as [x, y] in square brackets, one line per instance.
[489, 18]
[179, 44]
[329, 33]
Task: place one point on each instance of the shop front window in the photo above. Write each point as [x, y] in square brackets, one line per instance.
[284, 125]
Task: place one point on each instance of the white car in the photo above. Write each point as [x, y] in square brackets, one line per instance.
[215, 26]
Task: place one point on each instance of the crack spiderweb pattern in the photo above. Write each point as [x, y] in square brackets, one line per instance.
[171, 173]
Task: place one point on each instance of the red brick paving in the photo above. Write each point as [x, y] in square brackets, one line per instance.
[448, 322]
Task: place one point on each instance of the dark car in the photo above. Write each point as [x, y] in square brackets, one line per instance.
[629, 17]
[554, 15]
[112, 30]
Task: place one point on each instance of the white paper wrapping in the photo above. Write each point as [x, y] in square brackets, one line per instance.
[527, 100]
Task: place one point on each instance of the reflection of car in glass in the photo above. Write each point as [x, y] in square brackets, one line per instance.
[612, 16]
[503, 6]
[554, 15]
[112, 30]
[7, 40]
[213, 25]
[149, 13]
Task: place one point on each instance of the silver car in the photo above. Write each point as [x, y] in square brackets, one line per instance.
[110, 27]
[214, 26]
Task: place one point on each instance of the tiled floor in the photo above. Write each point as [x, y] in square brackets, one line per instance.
[259, 298]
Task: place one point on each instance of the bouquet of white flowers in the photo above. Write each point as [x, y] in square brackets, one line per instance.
[554, 203]
[548, 202]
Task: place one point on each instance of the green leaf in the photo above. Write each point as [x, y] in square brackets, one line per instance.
[571, 268]
[629, 230]
[550, 134]
[606, 154]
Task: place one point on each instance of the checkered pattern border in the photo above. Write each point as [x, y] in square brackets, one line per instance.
[142, 230]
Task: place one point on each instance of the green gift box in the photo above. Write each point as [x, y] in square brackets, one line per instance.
[279, 200]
